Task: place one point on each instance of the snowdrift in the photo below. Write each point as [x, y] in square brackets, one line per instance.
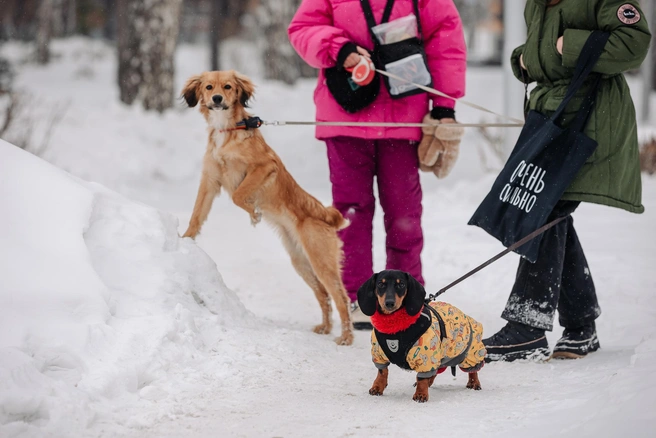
[100, 300]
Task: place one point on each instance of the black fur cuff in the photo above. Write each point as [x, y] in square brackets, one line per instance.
[440, 112]
[344, 52]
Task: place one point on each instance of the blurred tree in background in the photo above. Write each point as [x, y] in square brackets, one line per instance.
[147, 35]
[280, 59]
[247, 35]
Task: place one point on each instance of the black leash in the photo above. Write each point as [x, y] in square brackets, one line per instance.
[511, 248]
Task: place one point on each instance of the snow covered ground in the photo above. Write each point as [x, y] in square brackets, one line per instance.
[111, 325]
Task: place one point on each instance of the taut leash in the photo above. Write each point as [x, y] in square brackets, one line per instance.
[393, 125]
[439, 93]
[256, 122]
[512, 247]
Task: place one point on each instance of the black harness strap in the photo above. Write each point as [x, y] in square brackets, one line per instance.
[459, 358]
[454, 361]
[396, 346]
[440, 321]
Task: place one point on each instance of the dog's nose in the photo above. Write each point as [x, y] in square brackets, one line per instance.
[217, 98]
[390, 304]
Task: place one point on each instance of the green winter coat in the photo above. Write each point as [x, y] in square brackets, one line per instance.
[612, 174]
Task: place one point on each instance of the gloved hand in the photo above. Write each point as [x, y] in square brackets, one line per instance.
[440, 145]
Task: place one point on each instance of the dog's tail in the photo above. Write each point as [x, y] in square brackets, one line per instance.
[335, 219]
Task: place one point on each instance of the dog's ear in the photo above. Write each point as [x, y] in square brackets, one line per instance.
[190, 91]
[414, 299]
[245, 87]
[367, 296]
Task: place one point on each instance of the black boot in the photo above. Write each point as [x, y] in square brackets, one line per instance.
[577, 342]
[517, 341]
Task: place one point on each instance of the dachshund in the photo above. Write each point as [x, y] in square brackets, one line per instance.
[242, 163]
[415, 335]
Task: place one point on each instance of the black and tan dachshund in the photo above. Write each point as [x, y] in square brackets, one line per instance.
[426, 338]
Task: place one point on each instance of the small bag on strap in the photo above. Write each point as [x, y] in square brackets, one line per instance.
[399, 50]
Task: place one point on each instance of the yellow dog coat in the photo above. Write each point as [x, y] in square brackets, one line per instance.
[450, 338]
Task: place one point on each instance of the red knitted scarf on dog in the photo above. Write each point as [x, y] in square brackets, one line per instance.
[393, 322]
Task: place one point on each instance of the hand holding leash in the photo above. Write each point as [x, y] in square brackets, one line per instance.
[363, 72]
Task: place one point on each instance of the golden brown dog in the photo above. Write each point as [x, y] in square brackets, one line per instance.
[243, 164]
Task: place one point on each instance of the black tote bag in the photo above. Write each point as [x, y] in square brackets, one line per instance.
[543, 163]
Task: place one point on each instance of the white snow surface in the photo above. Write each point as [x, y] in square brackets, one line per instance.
[112, 325]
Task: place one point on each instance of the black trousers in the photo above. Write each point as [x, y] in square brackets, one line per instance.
[559, 279]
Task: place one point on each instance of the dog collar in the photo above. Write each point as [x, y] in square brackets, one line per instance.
[394, 322]
[245, 124]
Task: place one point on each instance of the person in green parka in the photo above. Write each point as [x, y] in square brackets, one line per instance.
[560, 278]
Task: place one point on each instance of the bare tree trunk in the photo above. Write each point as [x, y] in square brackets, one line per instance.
[280, 59]
[57, 18]
[44, 31]
[215, 20]
[110, 8]
[71, 17]
[147, 37]
[224, 22]
[129, 59]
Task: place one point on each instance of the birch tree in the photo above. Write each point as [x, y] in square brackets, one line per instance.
[147, 37]
[44, 24]
[280, 59]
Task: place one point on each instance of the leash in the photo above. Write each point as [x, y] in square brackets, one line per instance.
[256, 122]
[394, 125]
[511, 248]
[439, 93]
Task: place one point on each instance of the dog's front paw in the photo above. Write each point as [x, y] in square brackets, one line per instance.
[421, 393]
[420, 398]
[380, 383]
[375, 390]
[256, 216]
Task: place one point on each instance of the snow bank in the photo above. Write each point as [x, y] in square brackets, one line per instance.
[100, 301]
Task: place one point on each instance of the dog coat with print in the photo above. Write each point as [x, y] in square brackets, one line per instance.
[463, 338]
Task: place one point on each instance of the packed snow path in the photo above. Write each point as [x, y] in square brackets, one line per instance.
[111, 325]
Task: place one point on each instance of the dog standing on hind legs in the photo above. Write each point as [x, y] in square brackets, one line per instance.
[241, 162]
[425, 338]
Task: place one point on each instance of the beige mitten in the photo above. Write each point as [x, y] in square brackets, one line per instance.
[439, 147]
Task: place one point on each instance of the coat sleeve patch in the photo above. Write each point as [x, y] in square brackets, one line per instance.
[628, 14]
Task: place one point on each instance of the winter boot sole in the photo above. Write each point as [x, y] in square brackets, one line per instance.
[561, 351]
[535, 355]
[362, 326]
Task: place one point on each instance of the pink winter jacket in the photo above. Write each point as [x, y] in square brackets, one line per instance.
[320, 28]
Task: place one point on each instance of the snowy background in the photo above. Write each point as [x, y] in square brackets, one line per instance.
[111, 325]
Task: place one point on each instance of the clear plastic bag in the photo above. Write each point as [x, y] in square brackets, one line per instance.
[411, 68]
[397, 30]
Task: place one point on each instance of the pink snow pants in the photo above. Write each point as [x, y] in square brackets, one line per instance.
[354, 162]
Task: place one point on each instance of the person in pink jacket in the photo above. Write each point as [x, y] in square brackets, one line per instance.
[334, 33]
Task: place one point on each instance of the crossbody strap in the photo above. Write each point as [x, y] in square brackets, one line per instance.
[371, 20]
[416, 5]
[588, 58]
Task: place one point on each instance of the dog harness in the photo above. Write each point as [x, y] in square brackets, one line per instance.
[441, 336]
[396, 345]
